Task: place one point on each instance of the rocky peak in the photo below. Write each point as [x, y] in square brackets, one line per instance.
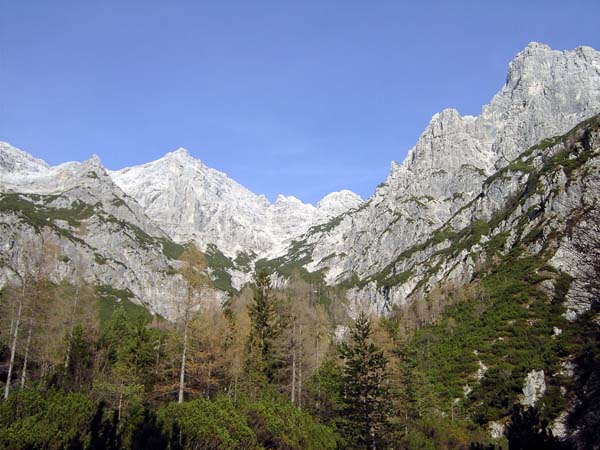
[192, 201]
[336, 203]
[94, 163]
[182, 160]
[14, 160]
[547, 93]
[288, 199]
[179, 153]
[529, 57]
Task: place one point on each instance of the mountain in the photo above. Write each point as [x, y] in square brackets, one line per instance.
[102, 234]
[480, 249]
[137, 219]
[526, 208]
[191, 201]
[126, 226]
[547, 92]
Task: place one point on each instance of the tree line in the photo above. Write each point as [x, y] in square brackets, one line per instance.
[128, 376]
[288, 368]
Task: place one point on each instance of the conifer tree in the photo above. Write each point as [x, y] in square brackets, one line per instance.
[364, 391]
[264, 331]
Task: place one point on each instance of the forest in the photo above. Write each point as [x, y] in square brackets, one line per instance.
[84, 368]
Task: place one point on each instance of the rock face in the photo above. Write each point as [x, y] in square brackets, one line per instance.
[534, 388]
[527, 203]
[191, 201]
[17, 163]
[546, 93]
[129, 244]
[101, 234]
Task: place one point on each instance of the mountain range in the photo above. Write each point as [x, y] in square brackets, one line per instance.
[463, 185]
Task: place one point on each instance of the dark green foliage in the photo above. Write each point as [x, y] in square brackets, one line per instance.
[299, 254]
[443, 433]
[265, 328]
[269, 422]
[207, 424]
[243, 260]
[111, 299]
[327, 226]
[48, 419]
[38, 212]
[131, 345]
[104, 433]
[54, 419]
[442, 234]
[219, 263]
[170, 249]
[510, 328]
[147, 434]
[279, 424]
[325, 387]
[79, 372]
[495, 245]
[35, 211]
[584, 342]
[527, 431]
[365, 401]
[518, 165]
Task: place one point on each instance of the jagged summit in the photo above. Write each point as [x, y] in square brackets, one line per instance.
[192, 201]
[534, 45]
[179, 152]
[94, 161]
[182, 156]
[187, 199]
[14, 160]
[336, 203]
[547, 92]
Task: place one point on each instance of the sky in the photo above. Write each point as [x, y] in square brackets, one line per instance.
[294, 97]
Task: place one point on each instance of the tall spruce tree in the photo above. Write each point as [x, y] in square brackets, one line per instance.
[365, 398]
[265, 329]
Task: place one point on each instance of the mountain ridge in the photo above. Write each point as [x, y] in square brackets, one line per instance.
[177, 198]
[547, 92]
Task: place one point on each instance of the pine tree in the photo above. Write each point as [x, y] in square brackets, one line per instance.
[364, 392]
[264, 331]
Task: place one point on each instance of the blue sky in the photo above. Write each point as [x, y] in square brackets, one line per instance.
[293, 97]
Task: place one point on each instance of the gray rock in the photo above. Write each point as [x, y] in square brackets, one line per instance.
[534, 388]
[547, 92]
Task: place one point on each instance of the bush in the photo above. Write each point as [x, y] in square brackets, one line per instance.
[206, 424]
[279, 424]
[51, 419]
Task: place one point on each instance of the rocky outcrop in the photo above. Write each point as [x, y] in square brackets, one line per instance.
[529, 201]
[534, 388]
[547, 92]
